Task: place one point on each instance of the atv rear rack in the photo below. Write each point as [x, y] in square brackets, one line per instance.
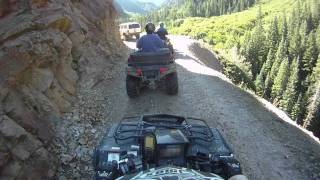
[192, 128]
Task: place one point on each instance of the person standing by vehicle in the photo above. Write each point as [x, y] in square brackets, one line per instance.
[162, 32]
[150, 42]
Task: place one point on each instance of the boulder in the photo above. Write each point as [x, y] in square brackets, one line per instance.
[12, 63]
[3, 94]
[20, 152]
[67, 77]
[14, 26]
[12, 170]
[58, 96]
[25, 147]
[4, 158]
[23, 144]
[4, 7]
[59, 22]
[77, 38]
[39, 3]
[41, 166]
[42, 108]
[10, 129]
[15, 108]
[3, 145]
[42, 78]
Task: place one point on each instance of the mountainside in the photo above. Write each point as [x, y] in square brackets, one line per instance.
[120, 11]
[172, 10]
[272, 48]
[135, 6]
[46, 48]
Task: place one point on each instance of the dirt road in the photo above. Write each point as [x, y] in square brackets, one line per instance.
[267, 147]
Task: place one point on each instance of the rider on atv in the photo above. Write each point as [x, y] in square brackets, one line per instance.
[162, 32]
[150, 42]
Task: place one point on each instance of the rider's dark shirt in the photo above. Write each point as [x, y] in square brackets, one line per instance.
[162, 32]
[150, 43]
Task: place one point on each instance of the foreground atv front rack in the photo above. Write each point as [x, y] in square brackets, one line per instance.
[136, 127]
[138, 144]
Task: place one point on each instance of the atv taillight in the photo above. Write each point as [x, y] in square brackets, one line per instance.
[162, 70]
[138, 72]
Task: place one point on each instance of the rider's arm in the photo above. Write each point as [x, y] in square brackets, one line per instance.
[139, 43]
[160, 42]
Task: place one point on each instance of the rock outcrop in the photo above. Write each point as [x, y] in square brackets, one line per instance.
[46, 46]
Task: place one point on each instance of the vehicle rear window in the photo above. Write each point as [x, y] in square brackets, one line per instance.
[132, 26]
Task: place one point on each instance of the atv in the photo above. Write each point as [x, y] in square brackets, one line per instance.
[164, 146]
[151, 70]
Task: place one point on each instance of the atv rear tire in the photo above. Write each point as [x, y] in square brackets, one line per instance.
[132, 85]
[171, 83]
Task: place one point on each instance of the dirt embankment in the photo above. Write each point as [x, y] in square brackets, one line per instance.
[46, 47]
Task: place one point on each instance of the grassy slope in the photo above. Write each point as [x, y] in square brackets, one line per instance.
[223, 31]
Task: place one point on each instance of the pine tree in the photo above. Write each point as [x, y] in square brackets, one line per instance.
[295, 43]
[208, 13]
[256, 50]
[273, 34]
[315, 76]
[318, 36]
[280, 56]
[295, 19]
[309, 19]
[298, 110]
[316, 12]
[312, 121]
[259, 83]
[290, 95]
[310, 55]
[268, 65]
[261, 78]
[267, 87]
[284, 27]
[280, 82]
[311, 80]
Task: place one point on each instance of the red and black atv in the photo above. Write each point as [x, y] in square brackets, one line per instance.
[151, 70]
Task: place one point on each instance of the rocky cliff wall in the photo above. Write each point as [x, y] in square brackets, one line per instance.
[46, 46]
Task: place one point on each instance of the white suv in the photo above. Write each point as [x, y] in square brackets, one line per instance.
[128, 30]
